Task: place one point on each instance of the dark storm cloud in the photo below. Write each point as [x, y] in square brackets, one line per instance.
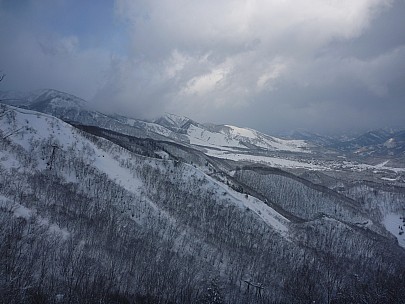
[271, 65]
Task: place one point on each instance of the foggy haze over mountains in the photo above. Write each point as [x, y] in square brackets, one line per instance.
[268, 65]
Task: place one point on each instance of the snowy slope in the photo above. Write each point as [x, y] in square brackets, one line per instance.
[84, 212]
[225, 136]
[26, 127]
[31, 127]
[271, 217]
[271, 161]
[203, 137]
[395, 224]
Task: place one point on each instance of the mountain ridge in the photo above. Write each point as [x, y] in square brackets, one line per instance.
[71, 108]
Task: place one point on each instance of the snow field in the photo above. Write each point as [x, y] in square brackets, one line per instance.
[393, 223]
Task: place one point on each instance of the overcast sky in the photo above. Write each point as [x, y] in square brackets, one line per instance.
[273, 65]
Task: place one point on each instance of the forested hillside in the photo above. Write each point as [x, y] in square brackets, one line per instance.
[87, 220]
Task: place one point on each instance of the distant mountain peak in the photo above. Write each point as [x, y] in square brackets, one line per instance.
[170, 121]
[44, 99]
[60, 99]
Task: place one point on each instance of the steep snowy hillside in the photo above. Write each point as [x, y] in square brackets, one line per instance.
[61, 137]
[109, 179]
[86, 220]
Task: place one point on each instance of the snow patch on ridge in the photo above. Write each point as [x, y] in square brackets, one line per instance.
[236, 131]
[242, 138]
[270, 216]
[272, 161]
[199, 136]
[393, 223]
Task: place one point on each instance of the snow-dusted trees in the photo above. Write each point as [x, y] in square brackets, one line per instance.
[77, 231]
[299, 198]
[212, 293]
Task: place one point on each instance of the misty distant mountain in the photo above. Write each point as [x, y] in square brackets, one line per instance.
[317, 139]
[175, 123]
[65, 106]
[374, 143]
[75, 110]
[170, 126]
[182, 129]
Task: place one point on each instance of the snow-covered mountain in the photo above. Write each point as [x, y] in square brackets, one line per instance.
[220, 137]
[77, 111]
[89, 218]
[65, 106]
[225, 137]
[95, 176]
[174, 127]
[106, 208]
[228, 136]
[174, 122]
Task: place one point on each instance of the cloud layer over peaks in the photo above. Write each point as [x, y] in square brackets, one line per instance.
[271, 65]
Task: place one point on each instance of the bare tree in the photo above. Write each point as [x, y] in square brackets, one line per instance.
[2, 76]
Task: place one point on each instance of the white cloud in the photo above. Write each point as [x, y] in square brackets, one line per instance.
[271, 62]
[174, 36]
[175, 63]
[206, 83]
[267, 80]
